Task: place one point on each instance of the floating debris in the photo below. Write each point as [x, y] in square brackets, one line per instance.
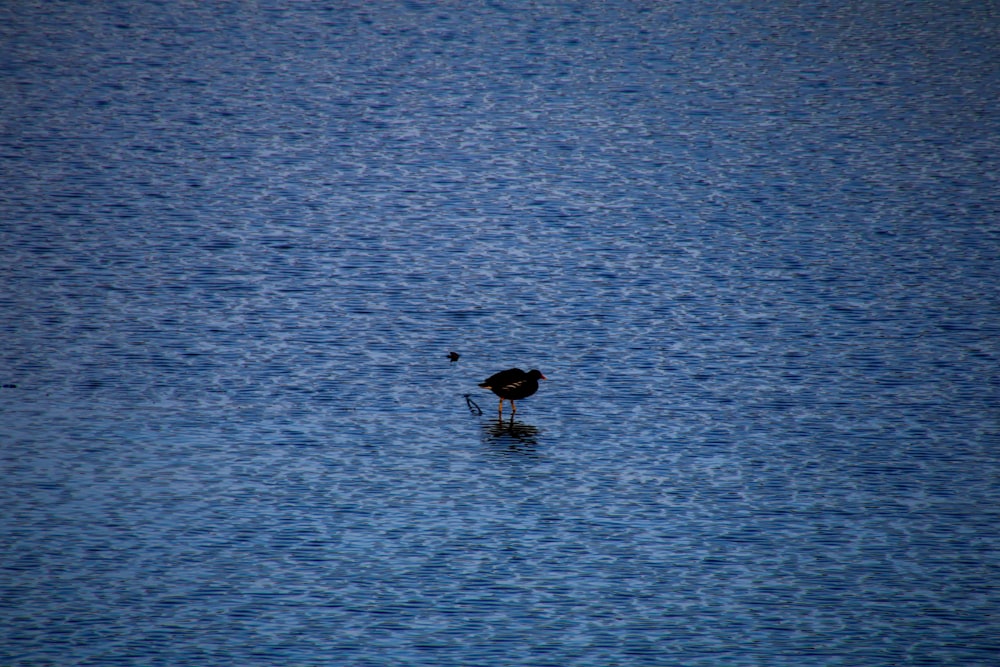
[473, 407]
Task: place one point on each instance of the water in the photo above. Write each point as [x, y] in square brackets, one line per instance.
[754, 248]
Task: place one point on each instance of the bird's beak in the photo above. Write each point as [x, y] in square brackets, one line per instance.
[544, 378]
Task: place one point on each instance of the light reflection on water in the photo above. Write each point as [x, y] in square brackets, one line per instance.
[753, 251]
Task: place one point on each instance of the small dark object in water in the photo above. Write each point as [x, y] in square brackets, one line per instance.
[473, 406]
[10, 386]
[513, 384]
[454, 356]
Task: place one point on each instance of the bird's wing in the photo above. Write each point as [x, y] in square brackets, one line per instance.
[511, 386]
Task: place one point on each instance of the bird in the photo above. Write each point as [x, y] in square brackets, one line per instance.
[513, 384]
[454, 356]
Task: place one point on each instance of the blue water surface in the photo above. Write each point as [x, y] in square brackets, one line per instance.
[754, 247]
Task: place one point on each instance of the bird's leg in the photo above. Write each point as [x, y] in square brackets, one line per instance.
[501, 408]
[513, 409]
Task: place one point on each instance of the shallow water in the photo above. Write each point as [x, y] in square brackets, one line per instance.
[753, 248]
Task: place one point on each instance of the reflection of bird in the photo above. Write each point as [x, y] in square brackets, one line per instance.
[511, 437]
[453, 356]
[513, 384]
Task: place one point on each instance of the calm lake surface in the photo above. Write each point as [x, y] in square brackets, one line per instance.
[755, 248]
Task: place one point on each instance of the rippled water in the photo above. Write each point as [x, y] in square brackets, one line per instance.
[754, 248]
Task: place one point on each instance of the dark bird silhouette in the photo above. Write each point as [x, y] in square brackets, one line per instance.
[454, 356]
[513, 384]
